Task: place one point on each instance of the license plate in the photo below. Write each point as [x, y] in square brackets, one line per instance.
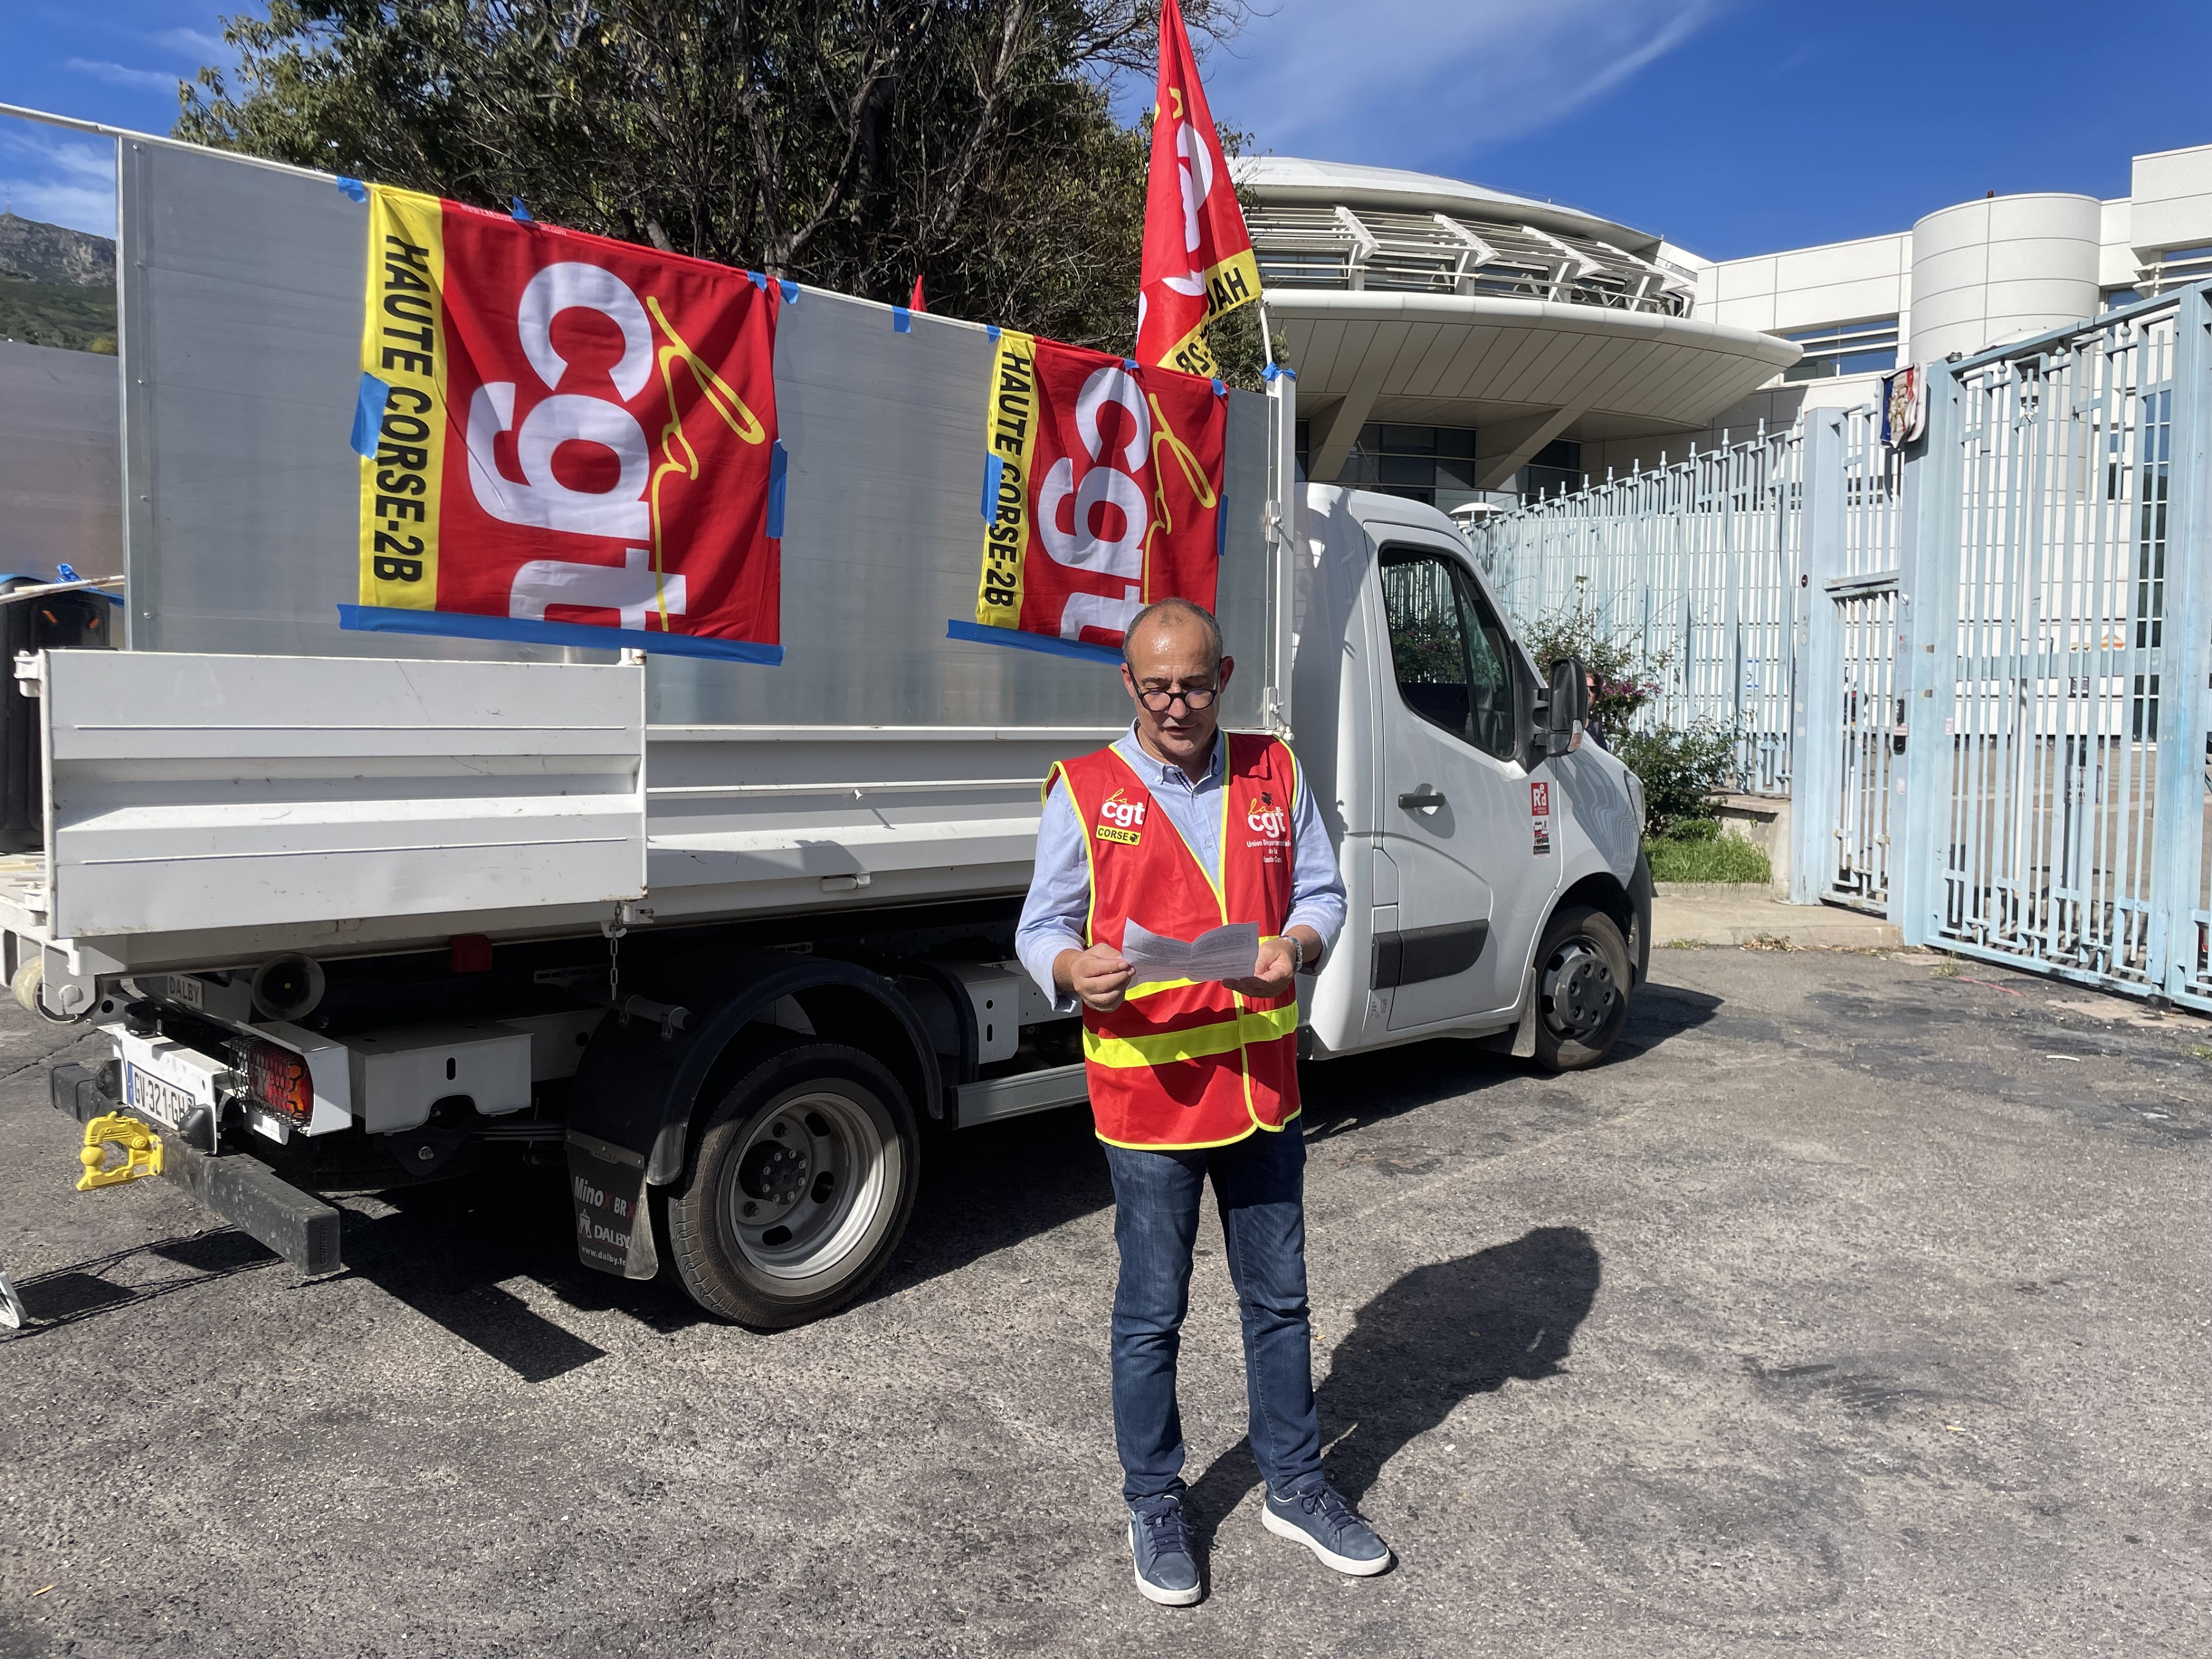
[156, 1097]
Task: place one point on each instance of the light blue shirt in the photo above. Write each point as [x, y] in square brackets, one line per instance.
[1058, 903]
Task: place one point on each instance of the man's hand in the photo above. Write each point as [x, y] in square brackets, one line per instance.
[1098, 975]
[1272, 974]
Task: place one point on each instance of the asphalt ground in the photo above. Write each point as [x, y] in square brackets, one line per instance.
[1858, 1307]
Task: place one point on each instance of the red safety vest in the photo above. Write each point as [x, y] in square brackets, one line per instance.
[1179, 1066]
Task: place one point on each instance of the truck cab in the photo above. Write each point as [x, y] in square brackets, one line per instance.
[1424, 727]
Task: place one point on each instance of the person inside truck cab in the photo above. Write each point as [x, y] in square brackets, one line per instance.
[1182, 828]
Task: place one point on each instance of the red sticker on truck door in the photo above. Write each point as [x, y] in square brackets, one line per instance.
[1539, 813]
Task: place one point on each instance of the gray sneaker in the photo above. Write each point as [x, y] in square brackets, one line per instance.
[1159, 1540]
[1321, 1520]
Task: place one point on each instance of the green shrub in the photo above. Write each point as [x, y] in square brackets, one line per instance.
[1680, 769]
[1715, 858]
[1627, 678]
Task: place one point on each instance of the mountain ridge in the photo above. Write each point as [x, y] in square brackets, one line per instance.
[32, 250]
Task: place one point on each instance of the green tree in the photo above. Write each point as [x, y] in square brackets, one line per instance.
[853, 144]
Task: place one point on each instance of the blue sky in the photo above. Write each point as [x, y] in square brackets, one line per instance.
[1729, 126]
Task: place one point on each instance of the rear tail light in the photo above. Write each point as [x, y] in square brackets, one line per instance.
[280, 1081]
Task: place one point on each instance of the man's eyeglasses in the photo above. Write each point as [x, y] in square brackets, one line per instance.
[1194, 698]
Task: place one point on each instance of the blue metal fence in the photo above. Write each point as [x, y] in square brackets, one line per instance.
[1697, 563]
[1981, 668]
[2056, 813]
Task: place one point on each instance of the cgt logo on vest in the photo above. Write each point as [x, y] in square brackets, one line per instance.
[1121, 820]
[1271, 826]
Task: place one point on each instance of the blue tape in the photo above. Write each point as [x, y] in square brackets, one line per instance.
[993, 330]
[790, 291]
[1273, 369]
[994, 472]
[1220, 390]
[1129, 363]
[779, 468]
[758, 279]
[354, 188]
[368, 414]
[65, 572]
[901, 320]
[521, 213]
[581, 636]
[976, 634]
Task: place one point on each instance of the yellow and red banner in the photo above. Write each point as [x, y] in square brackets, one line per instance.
[564, 440]
[1102, 493]
[1197, 262]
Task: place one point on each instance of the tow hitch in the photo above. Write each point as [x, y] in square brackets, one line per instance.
[140, 1146]
[240, 1188]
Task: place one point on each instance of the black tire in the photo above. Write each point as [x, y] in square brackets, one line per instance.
[1582, 989]
[798, 1187]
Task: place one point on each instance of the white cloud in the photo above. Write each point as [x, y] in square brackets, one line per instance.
[118, 74]
[190, 43]
[1405, 83]
[63, 181]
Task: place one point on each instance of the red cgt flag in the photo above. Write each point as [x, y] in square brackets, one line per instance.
[565, 439]
[1197, 255]
[1102, 485]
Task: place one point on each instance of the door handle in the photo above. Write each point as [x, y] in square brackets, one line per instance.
[1424, 799]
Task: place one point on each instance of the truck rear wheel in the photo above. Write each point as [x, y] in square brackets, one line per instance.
[1582, 989]
[799, 1190]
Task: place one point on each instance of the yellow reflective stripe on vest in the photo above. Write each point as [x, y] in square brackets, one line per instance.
[1164, 1048]
[1197, 1042]
[1154, 986]
[1266, 1024]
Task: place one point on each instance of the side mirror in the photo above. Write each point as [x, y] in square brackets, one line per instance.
[1566, 705]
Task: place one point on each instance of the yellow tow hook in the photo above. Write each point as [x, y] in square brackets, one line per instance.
[140, 1145]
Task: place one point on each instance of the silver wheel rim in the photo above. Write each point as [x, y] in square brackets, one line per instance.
[807, 1189]
[1579, 993]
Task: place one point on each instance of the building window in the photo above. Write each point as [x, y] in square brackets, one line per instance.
[1557, 467]
[1867, 347]
[1432, 464]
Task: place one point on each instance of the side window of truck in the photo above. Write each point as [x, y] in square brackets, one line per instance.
[1447, 651]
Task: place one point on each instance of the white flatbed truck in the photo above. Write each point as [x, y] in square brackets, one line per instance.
[357, 911]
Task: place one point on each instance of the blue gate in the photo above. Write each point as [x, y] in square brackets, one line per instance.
[1981, 668]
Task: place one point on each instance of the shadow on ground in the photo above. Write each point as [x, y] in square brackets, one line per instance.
[1436, 1337]
[446, 1249]
[1660, 1012]
[79, 1292]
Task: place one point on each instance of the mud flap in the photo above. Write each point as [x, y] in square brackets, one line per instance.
[614, 1226]
[1524, 1034]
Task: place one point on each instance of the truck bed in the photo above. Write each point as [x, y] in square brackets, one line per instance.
[247, 778]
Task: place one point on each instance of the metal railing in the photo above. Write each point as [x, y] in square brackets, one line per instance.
[2064, 806]
[1980, 665]
[1304, 246]
[1696, 565]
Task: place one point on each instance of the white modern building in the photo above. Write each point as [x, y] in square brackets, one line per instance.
[1455, 342]
[1459, 344]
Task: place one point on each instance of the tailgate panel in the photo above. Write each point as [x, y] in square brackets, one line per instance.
[187, 792]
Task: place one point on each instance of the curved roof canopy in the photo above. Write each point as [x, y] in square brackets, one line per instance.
[1409, 298]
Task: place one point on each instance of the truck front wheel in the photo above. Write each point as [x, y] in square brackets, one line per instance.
[1582, 989]
[799, 1189]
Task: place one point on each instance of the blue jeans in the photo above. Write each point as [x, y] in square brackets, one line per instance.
[1259, 1186]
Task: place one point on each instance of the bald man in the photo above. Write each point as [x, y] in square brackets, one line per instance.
[1182, 828]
